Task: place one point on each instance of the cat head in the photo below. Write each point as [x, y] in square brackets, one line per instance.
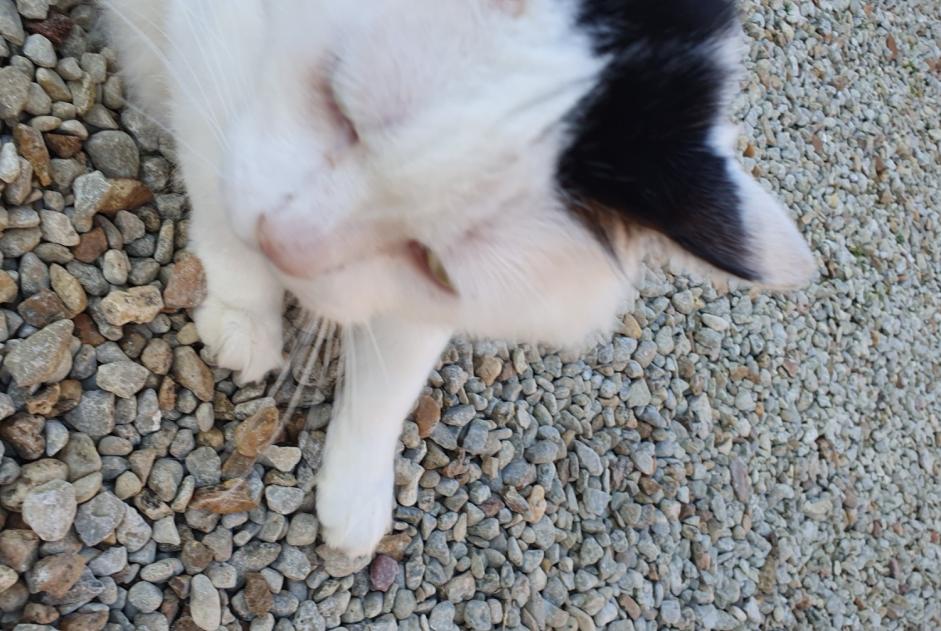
[501, 166]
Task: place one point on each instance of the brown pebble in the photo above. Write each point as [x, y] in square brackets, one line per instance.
[157, 356]
[394, 545]
[166, 396]
[186, 287]
[92, 244]
[30, 145]
[62, 145]
[257, 432]
[42, 309]
[55, 574]
[229, 497]
[192, 373]
[25, 433]
[18, 548]
[8, 288]
[427, 415]
[196, 557]
[125, 194]
[70, 395]
[37, 613]
[44, 401]
[87, 330]
[91, 621]
[180, 586]
[258, 597]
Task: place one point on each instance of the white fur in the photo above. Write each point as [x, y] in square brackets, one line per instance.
[457, 104]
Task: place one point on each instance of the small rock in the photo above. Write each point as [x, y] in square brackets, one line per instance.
[281, 458]
[232, 496]
[123, 378]
[138, 304]
[41, 357]
[42, 309]
[56, 574]
[81, 456]
[109, 562]
[477, 616]
[205, 607]
[14, 85]
[741, 483]
[186, 287]
[284, 500]
[8, 577]
[257, 432]
[49, 509]
[98, 518]
[30, 144]
[125, 194]
[427, 416]
[94, 414]
[68, 288]
[25, 433]
[114, 153]
[382, 572]
[165, 531]
[133, 532]
[258, 595]
[146, 597]
[192, 373]
[338, 565]
[18, 549]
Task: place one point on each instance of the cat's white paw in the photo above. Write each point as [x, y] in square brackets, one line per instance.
[354, 514]
[241, 340]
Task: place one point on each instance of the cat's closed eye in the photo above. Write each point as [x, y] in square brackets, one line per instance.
[336, 112]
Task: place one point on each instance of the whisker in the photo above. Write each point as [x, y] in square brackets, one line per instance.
[161, 55]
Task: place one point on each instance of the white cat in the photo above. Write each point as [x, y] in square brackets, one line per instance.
[416, 168]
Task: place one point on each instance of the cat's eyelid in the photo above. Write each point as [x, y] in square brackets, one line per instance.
[340, 113]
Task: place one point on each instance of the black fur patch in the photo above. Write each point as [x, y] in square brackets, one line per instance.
[640, 145]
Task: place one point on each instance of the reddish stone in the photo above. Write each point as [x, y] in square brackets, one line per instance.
[92, 245]
[57, 27]
[87, 330]
[42, 309]
[186, 287]
[229, 497]
[427, 416]
[30, 145]
[382, 572]
[63, 145]
[125, 194]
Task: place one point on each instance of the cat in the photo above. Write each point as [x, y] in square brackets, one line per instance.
[412, 169]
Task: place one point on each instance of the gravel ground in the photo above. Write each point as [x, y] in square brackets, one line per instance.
[729, 459]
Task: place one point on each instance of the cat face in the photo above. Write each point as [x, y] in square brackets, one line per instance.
[499, 166]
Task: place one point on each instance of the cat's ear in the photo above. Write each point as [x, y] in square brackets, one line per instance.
[699, 197]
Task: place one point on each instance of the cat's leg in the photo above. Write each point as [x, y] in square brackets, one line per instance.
[385, 371]
[240, 319]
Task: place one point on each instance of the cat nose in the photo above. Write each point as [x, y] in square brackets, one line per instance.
[290, 248]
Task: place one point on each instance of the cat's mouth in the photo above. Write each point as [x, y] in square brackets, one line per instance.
[294, 260]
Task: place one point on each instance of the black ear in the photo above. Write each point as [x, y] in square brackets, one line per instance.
[644, 147]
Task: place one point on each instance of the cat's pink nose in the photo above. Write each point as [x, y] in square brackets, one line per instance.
[288, 248]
